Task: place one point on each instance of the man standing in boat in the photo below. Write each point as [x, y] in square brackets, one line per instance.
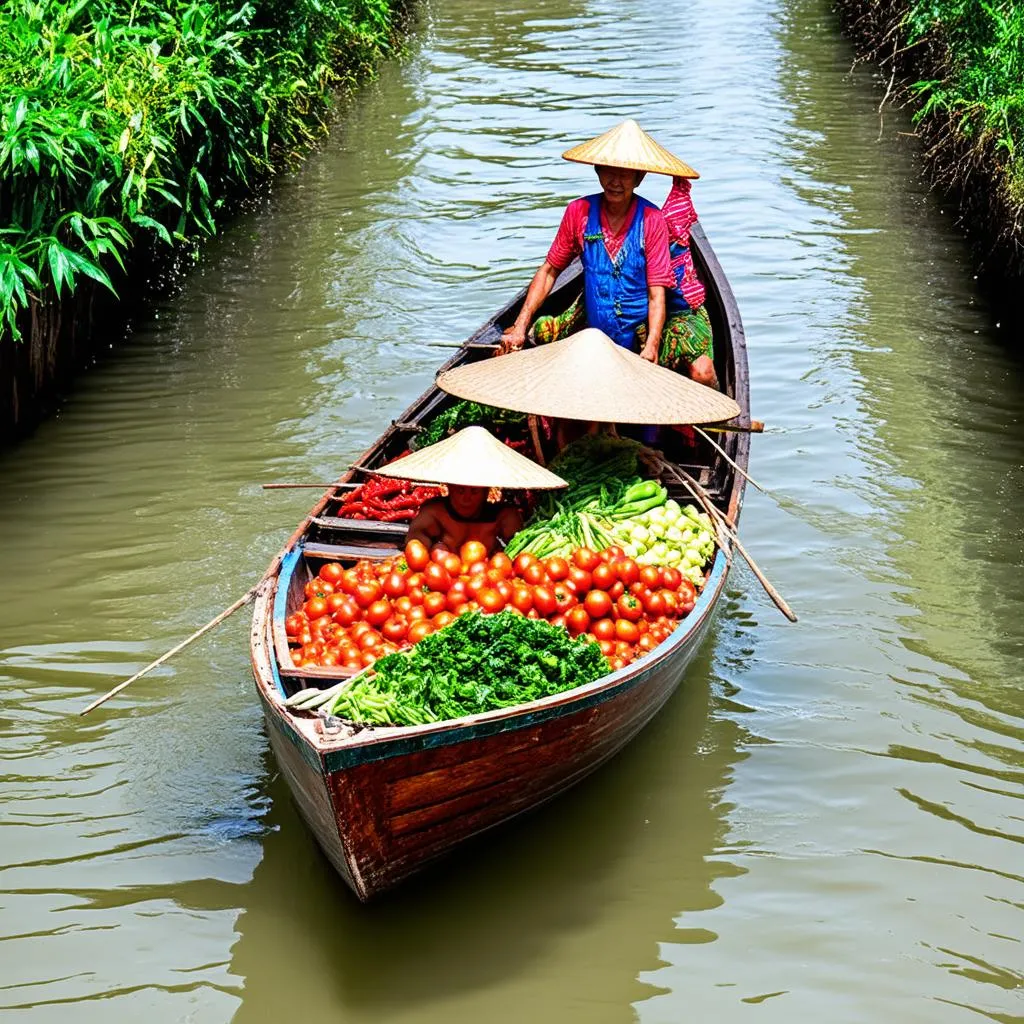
[639, 282]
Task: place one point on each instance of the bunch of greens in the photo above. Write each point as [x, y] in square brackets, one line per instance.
[478, 663]
[467, 414]
[603, 488]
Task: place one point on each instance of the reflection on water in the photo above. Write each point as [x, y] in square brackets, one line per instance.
[824, 822]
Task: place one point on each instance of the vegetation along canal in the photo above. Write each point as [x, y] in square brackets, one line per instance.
[825, 822]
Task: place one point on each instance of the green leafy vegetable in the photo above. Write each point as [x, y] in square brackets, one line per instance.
[478, 663]
[466, 414]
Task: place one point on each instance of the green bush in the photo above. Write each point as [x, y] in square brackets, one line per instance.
[982, 88]
[125, 121]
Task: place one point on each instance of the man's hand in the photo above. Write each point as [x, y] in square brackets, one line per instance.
[512, 340]
[650, 352]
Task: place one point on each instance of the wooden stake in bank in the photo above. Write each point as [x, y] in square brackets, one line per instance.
[230, 610]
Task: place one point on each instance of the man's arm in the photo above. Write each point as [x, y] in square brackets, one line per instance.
[540, 288]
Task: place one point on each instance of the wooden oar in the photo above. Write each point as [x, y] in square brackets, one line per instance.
[284, 486]
[756, 427]
[739, 469]
[728, 527]
[230, 610]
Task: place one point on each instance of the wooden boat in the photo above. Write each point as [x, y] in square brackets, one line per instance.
[385, 802]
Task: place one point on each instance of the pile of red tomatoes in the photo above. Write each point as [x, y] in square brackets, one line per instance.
[351, 617]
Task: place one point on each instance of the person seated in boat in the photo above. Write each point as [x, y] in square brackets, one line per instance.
[466, 513]
[639, 283]
[472, 467]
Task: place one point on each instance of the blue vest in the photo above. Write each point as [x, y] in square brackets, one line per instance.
[615, 292]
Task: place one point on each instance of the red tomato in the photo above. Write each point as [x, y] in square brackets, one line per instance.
[306, 636]
[581, 579]
[315, 607]
[491, 601]
[416, 555]
[358, 628]
[626, 630]
[610, 554]
[579, 620]
[403, 604]
[556, 568]
[616, 663]
[415, 595]
[378, 613]
[476, 584]
[616, 590]
[370, 640]
[627, 570]
[453, 564]
[317, 587]
[671, 603]
[437, 577]
[296, 658]
[414, 579]
[628, 607]
[586, 559]
[671, 578]
[332, 572]
[294, 623]
[335, 601]
[564, 597]
[522, 598]
[349, 581]
[654, 605]
[500, 562]
[442, 620]
[476, 569]
[504, 588]
[647, 643]
[607, 647]
[368, 659]
[687, 595]
[473, 551]
[418, 630]
[434, 603]
[603, 629]
[535, 574]
[544, 600]
[650, 576]
[598, 604]
[604, 577]
[523, 562]
[394, 584]
[558, 620]
[395, 629]
[417, 613]
[456, 595]
[438, 553]
[329, 659]
[367, 592]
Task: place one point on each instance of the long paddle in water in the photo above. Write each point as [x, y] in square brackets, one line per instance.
[230, 610]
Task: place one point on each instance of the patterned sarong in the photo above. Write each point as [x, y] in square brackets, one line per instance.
[685, 337]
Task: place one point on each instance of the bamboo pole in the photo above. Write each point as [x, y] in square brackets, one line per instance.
[739, 469]
[724, 524]
[288, 486]
[230, 610]
[756, 427]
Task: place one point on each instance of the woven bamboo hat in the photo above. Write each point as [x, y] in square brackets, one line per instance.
[473, 457]
[628, 145]
[586, 376]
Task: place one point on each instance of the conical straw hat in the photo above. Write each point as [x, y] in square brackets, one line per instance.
[473, 457]
[628, 145]
[586, 376]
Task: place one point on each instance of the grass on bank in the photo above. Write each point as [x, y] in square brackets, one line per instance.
[982, 89]
[125, 122]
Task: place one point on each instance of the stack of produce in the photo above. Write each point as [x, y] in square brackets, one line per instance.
[478, 663]
[390, 501]
[351, 617]
[503, 423]
[607, 504]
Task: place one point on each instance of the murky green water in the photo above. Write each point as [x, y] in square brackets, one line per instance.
[825, 823]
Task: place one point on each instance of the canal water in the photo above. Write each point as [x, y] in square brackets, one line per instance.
[827, 820]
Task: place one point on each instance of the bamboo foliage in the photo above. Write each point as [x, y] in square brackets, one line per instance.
[132, 122]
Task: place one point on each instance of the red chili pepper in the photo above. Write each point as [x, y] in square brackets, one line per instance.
[397, 515]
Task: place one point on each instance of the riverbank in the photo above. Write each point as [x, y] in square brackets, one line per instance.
[961, 68]
[129, 132]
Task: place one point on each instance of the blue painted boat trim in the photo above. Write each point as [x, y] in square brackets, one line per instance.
[349, 757]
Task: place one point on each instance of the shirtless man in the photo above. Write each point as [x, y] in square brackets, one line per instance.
[464, 514]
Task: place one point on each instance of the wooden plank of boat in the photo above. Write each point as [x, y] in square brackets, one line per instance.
[385, 802]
